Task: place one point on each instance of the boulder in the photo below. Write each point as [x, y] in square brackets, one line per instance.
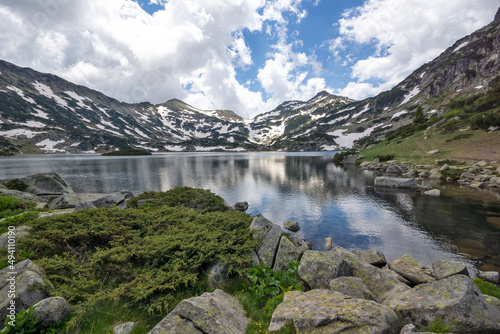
[291, 225]
[126, 328]
[352, 287]
[212, 312]
[426, 185]
[433, 192]
[43, 184]
[408, 329]
[373, 257]
[81, 201]
[217, 274]
[30, 286]
[22, 195]
[396, 276]
[493, 301]
[489, 276]
[20, 232]
[268, 248]
[51, 311]
[411, 269]
[318, 268]
[301, 243]
[260, 227]
[433, 152]
[241, 206]
[394, 169]
[456, 299]
[287, 252]
[443, 269]
[326, 311]
[396, 182]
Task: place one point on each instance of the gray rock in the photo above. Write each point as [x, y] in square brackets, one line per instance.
[445, 167]
[493, 301]
[351, 286]
[325, 311]
[212, 312]
[287, 252]
[30, 286]
[433, 192]
[217, 274]
[44, 184]
[373, 257]
[394, 169]
[22, 195]
[489, 276]
[89, 200]
[443, 269]
[408, 329]
[291, 225]
[268, 248]
[318, 268]
[411, 269]
[396, 276]
[328, 243]
[350, 160]
[20, 232]
[126, 328]
[426, 185]
[51, 311]
[396, 182]
[433, 152]
[299, 242]
[456, 299]
[55, 213]
[241, 206]
[260, 227]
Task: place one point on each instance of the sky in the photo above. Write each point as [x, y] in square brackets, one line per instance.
[243, 55]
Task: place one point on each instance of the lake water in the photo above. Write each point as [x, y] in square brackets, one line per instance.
[462, 225]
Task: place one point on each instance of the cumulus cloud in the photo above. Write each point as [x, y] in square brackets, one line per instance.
[404, 34]
[188, 49]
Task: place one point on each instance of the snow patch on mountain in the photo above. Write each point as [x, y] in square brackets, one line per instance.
[49, 145]
[21, 94]
[47, 92]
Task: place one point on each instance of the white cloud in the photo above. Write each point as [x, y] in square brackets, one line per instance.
[188, 50]
[405, 35]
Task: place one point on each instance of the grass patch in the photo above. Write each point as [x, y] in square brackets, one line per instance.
[488, 288]
[11, 205]
[386, 157]
[146, 258]
[460, 136]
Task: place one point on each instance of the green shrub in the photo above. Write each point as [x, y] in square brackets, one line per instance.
[187, 197]
[10, 206]
[142, 256]
[485, 120]
[385, 157]
[16, 184]
[460, 136]
[488, 288]
[24, 323]
[419, 116]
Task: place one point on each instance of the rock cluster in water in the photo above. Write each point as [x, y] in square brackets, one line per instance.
[477, 175]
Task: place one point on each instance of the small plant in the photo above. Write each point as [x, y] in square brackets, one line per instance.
[24, 323]
[488, 288]
[437, 326]
[384, 157]
[16, 184]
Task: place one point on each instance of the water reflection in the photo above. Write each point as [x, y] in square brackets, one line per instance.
[327, 200]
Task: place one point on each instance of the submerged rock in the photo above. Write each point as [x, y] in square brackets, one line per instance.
[241, 206]
[326, 311]
[291, 226]
[396, 182]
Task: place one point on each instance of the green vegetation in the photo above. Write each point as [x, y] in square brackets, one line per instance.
[10, 206]
[24, 322]
[385, 157]
[488, 288]
[16, 184]
[419, 116]
[127, 152]
[437, 326]
[338, 158]
[265, 292]
[146, 258]
[297, 122]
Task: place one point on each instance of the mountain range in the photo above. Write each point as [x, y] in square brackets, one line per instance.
[43, 113]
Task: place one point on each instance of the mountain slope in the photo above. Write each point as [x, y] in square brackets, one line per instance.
[44, 113]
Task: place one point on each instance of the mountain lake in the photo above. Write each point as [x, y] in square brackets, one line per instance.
[461, 225]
